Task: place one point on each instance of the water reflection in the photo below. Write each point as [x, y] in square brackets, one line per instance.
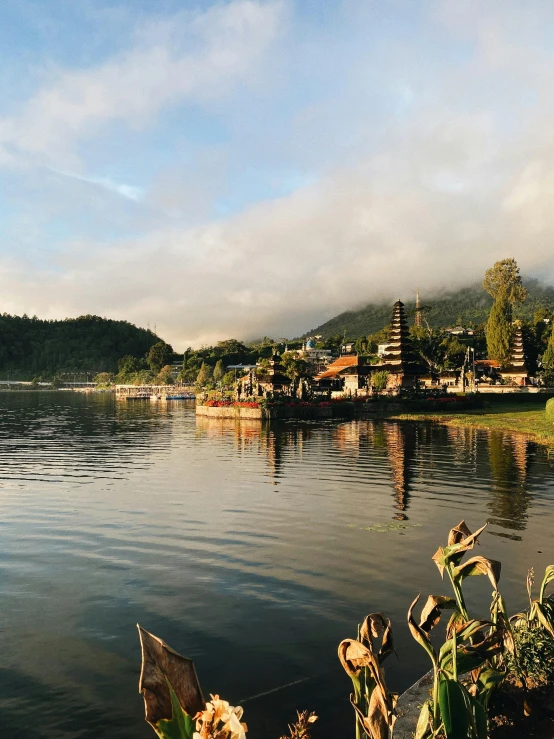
[401, 448]
[509, 464]
[251, 547]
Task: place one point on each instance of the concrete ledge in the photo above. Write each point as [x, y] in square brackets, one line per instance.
[277, 412]
[409, 706]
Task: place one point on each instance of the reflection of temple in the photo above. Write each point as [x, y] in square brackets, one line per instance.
[401, 442]
[509, 464]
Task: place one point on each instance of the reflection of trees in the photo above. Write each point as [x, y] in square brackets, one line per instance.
[274, 441]
[401, 447]
[509, 464]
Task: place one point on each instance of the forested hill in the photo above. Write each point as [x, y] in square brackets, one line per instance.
[33, 347]
[468, 305]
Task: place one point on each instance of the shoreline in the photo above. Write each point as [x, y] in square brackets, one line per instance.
[520, 419]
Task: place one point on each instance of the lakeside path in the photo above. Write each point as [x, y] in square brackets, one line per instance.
[521, 418]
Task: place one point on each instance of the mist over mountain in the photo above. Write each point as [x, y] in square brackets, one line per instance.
[469, 306]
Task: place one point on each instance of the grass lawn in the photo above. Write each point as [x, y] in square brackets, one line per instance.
[523, 418]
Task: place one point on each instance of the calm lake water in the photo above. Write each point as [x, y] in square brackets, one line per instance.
[251, 548]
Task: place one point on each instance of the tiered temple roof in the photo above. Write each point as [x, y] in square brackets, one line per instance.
[518, 362]
[399, 355]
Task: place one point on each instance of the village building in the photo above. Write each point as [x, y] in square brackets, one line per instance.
[311, 353]
[332, 378]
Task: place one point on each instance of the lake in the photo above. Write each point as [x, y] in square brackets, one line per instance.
[251, 548]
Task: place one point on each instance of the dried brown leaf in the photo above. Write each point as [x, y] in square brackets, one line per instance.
[160, 665]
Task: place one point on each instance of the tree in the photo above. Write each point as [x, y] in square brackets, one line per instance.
[547, 362]
[294, 367]
[379, 380]
[205, 374]
[219, 371]
[165, 376]
[498, 330]
[228, 379]
[504, 281]
[159, 355]
[127, 365]
[104, 379]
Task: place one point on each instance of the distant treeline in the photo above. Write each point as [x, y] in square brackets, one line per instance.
[88, 344]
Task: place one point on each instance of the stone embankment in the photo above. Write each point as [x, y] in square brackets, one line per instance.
[337, 410]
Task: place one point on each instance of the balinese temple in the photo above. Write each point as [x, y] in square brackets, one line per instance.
[399, 358]
[264, 382]
[516, 371]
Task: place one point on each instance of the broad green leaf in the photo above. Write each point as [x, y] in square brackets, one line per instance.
[480, 719]
[547, 579]
[453, 708]
[544, 616]
[179, 726]
[488, 680]
[423, 728]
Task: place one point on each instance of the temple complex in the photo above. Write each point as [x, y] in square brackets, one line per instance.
[264, 381]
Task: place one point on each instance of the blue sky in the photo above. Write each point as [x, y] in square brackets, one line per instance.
[252, 167]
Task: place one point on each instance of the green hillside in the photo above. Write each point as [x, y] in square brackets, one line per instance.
[470, 305]
[30, 346]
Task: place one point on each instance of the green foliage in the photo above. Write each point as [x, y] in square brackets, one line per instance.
[205, 375]
[499, 330]
[165, 376]
[379, 380]
[503, 282]
[294, 367]
[228, 379]
[547, 361]
[550, 410]
[30, 346]
[104, 379]
[533, 659]
[159, 355]
[219, 371]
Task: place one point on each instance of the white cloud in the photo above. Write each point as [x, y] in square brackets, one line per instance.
[454, 174]
[197, 57]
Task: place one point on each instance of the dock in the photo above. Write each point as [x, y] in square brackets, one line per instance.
[154, 392]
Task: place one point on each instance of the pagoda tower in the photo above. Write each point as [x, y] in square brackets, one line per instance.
[516, 370]
[399, 357]
[517, 351]
[399, 350]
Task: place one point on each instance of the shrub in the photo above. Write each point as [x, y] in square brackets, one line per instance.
[533, 659]
[550, 410]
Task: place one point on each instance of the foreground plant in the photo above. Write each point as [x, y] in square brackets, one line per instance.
[472, 648]
[175, 706]
[302, 727]
[373, 704]
[533, 662]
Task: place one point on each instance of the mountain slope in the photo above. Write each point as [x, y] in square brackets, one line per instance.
[470, 305]
[87, 344]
